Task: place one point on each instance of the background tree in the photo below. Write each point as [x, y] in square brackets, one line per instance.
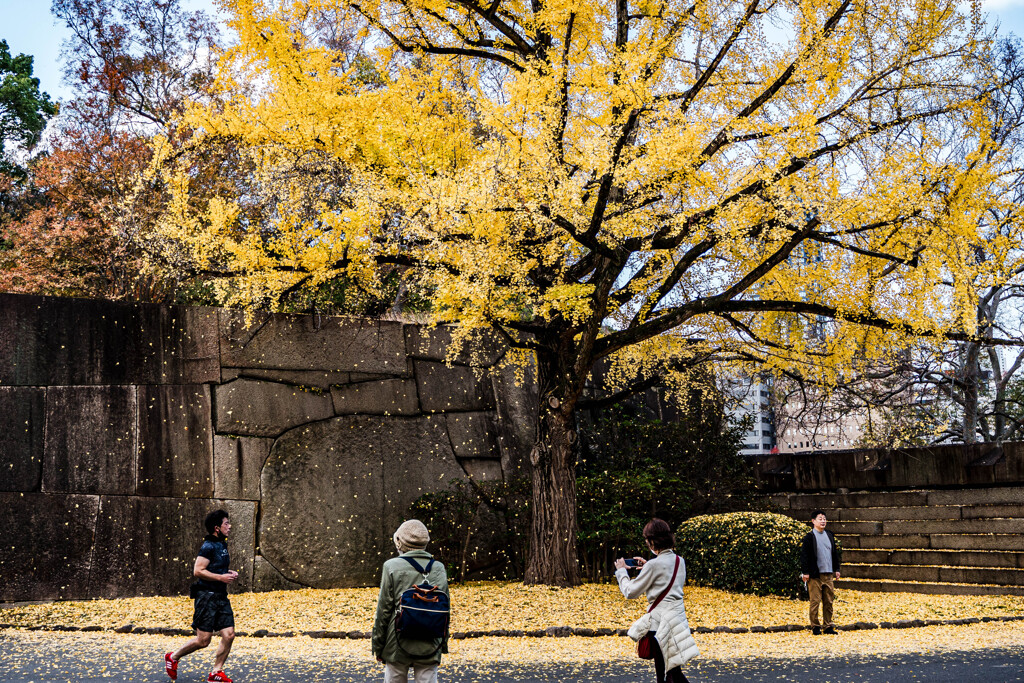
[939, 391]
[657, 183]
[132, 66]
[24, 110]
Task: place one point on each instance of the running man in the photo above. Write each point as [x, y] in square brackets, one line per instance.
[212, 608]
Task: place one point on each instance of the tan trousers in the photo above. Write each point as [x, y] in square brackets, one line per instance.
[822, 592]
[399, 673]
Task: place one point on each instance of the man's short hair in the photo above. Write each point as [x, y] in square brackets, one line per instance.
[214, 520]
[816, 513]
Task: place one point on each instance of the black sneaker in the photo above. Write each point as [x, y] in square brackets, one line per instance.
[816, 630]
[830, 631]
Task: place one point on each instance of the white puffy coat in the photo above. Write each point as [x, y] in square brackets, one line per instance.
[668, 620]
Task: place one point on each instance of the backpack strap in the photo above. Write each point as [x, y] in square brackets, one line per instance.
[671, 583]
[417, 567]
[414, 563]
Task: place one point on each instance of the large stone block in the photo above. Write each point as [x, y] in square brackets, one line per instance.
[175, 441]
[237, 464]
[455, 388]
[482, 470]
[46, 544]
[53, 341]
[192, 346]
[90, 443]
[147, 546]
[383, 397]
[305, 342]
[335, 491]
[265, 577]
[255, 408]
[518, 398]
[310, 379]
[22, 412]
[479, 347]
[473, 435]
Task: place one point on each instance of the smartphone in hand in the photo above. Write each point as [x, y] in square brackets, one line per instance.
[631, 562]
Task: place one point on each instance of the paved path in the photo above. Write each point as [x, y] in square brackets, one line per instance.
[69, 659]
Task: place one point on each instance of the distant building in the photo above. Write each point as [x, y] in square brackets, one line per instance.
[826, 427]
[751, 397]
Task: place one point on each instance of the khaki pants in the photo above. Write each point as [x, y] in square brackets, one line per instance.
[822, 592]
[399, 673]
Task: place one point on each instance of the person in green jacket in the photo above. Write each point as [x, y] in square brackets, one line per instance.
[397, 576]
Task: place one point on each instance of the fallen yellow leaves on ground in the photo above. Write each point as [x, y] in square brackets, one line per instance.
[525, 651]
[488, 606]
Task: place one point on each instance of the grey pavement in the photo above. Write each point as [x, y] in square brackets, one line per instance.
[68, 660]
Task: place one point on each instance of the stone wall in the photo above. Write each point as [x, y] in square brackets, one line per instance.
[122, 425]
[958, 465]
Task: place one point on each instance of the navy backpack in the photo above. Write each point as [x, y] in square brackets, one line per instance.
[423, 611]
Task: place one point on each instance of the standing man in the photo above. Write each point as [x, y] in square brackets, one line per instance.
[212, 607]
[819, 566]
[414, 565]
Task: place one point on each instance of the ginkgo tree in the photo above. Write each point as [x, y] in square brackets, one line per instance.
[785, 184]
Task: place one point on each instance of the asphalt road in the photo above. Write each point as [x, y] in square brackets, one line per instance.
[64, 660]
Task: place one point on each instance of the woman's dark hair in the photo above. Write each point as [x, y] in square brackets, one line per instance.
[214, 520]
[659, 533]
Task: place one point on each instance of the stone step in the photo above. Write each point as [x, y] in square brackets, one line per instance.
[912, 512]
[1007, 542]
[945, 558]
[1001, 495]
[929, 588]
[931, 526]
[885, 514]
[934, 574]
[840, 501]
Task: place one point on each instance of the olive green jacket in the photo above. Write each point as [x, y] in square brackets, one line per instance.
[397, 576]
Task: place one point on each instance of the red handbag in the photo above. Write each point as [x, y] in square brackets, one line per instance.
[645, 646]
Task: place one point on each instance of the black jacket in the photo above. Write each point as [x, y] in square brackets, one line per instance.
[809, 555]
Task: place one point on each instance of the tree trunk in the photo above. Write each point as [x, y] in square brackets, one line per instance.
[552, 559]
[972, 376]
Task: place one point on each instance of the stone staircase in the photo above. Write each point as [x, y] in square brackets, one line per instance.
[963, 542]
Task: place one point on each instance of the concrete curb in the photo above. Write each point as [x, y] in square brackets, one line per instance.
[550, 632]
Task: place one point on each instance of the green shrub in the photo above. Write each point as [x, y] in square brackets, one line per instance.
[746, 552]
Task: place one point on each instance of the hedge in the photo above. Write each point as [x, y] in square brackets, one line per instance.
[745, 552]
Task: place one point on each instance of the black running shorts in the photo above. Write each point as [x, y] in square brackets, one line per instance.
[213, 612]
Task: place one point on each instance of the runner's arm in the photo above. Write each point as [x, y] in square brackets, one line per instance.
[200, 572]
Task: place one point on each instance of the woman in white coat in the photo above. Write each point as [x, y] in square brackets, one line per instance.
[661, 579]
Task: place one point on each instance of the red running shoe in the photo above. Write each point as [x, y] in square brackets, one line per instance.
[171, 666]
[219, 676]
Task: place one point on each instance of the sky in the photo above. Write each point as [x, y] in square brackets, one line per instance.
[28, 28]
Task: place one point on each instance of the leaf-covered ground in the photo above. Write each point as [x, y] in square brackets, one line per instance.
[112, 652]
[494, 605]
